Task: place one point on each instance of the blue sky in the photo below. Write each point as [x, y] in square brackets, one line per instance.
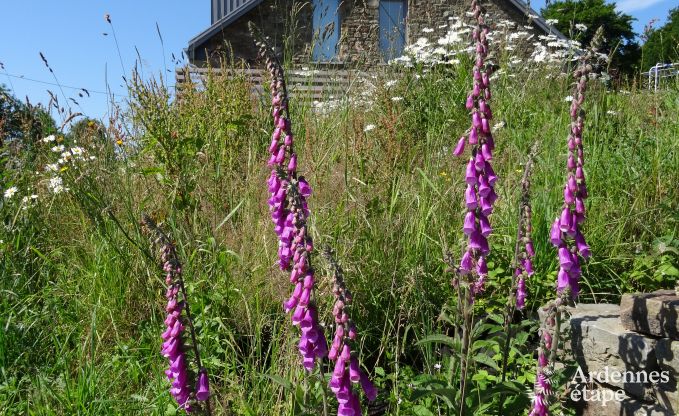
[71, 36]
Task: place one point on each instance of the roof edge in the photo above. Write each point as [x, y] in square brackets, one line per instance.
[539, 21]
[217, 27]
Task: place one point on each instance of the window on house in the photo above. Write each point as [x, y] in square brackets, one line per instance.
[392, 28]
[326, 30]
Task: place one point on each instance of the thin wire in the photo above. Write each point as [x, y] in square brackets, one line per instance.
[4, 71]
[65, 86]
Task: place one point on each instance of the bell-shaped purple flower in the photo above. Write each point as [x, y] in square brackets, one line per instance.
[469, 223]
[203, 389]
[459, 148]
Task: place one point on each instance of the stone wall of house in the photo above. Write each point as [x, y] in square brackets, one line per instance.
[288, 24]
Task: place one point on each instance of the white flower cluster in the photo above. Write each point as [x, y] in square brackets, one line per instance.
[66, 156]
[521, 46]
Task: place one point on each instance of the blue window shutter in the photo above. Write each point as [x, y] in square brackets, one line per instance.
[392, 27]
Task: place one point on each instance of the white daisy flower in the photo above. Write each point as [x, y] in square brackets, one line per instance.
[58, 149]
[369, 127]
[568, 99]
[49, 138]
[9, 192]
[395, 99]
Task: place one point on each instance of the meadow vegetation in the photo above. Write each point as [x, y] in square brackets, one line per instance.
[81, 293]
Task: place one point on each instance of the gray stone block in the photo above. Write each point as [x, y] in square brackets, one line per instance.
[599, 343]
[667, 353]
[651, 313]
[626, 407]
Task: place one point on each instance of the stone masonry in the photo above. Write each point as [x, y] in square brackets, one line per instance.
[636, 339]
[288, 24]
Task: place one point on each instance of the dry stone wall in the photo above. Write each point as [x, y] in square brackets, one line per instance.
[632, 351]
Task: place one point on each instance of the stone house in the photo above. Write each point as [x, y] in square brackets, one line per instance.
[337, 33]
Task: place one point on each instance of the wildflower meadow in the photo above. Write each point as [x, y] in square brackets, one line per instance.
[207, 250]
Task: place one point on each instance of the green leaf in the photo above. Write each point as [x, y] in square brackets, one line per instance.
[420, 410]
[279, 380]
[447, 394]
[486, 360]
[439, 339]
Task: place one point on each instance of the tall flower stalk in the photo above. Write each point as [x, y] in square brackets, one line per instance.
[188, 390]
[346, 366]
[290, 213]
[566, 235]
[480, 193]
[524, 250]
[522, 263]
[479, 175]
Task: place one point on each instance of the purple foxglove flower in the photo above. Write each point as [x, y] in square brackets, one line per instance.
[473, 136]
[529, 249]
[486, 152]
[572, 184]
[470, 102]
[565, 220]
[579, 174]
[203, 389]
[555, 233]
[486, 229]
[304, 188]
[528, 266]
[470, 173]
[483, 106]
[490, 174]
[568, 195]
[484, 187]
[521, 294]
[579, 207]
[479, 161]
[469, 223]
[354, 370]
[571, 162]
[582, 246]
[470, 197]
[486, 205]
[368, 387]
[476, 240]
[485, 127]
[562, 280]
[298, 315]
[476, 121]
[466, 263]
[565, 259]
[459, 148]
[482, 267]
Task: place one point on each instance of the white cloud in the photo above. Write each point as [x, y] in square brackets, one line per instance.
[629, 6]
